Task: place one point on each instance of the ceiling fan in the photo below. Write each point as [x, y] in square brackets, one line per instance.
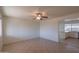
[39, 15]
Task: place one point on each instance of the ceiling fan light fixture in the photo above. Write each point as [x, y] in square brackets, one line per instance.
[39, 15]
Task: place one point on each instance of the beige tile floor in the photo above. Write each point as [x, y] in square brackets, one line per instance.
[40, 45]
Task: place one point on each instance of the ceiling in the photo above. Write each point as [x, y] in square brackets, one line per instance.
[26, 11]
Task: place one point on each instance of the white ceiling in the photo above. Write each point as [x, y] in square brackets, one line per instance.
[26, 11]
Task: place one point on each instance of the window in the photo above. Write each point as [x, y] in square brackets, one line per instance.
[72, 27]
[67, 27]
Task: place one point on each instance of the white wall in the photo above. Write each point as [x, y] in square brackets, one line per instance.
[49, 28]
[20, 29]
[1, 41]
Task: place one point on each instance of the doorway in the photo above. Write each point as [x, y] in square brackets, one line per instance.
[69, 34]
[71, 30]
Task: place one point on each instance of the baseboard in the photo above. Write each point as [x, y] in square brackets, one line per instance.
[48, 39]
